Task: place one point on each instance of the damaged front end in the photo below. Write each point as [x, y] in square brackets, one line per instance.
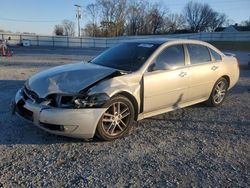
[71, 112]
[82, 99]
[74, 116]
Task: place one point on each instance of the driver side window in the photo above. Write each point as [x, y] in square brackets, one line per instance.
[172, 57]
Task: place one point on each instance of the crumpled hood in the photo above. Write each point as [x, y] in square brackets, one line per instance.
[70, 78]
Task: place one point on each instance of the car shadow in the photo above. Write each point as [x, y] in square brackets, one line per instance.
[235, 128]
[239, 89]
[244, 73]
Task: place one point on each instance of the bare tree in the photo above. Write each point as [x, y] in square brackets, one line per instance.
[218, 21]
[93, 11]
[155, 18]
[69, 27]
[139, 17]
[89, 29]
[120, 14]
[195, 14]
[173, 22]
[201, 17]
[132, 20]
[113, 16]
[58, 30]
[135, 17]
[246, 22]
[108, 14]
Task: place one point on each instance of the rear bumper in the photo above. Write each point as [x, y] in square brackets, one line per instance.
[77, 123]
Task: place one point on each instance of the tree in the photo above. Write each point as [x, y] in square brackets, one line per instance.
[144, 18]
[69, 27]
[135, 16]
[140, 17]
[58, 30]
[174, 22]
[91, 30]
[92, 27]
[218, 21]
[201, 17]
[120, 16]
[113, 16]
[246, 22]
[155, 18]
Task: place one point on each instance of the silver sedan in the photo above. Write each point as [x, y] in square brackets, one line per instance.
[127, 83]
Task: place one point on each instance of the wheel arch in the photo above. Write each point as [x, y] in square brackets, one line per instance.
[227, 78]
[133, 101]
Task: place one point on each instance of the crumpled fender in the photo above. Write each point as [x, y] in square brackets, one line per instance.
[130, 83]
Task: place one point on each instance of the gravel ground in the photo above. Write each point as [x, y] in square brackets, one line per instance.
[196, 146]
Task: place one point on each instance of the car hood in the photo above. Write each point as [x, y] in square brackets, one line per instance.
[70, 78]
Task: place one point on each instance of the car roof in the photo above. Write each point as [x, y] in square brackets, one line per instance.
[162, 40]
[149, 40]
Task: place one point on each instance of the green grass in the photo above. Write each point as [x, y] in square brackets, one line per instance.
[232, 45]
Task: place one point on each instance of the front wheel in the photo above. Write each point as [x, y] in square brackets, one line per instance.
[117, 119]
[218, 93]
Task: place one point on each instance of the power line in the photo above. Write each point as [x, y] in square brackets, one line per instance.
[20, 20]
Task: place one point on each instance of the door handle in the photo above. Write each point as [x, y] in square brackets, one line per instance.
[214, 68]
[182, 74]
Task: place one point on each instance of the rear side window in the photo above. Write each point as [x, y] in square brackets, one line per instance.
[216, 56]
[173, 56]
[198, 53]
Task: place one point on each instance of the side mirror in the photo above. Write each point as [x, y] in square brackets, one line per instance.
[151, 67]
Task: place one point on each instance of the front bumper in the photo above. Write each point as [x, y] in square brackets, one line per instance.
[77, 123]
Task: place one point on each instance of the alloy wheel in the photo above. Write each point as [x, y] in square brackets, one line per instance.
[219, 92]
[116, 119]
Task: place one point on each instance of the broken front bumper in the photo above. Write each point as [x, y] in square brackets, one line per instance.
[77, 123]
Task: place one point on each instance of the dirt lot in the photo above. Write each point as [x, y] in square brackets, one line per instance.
[192, 147]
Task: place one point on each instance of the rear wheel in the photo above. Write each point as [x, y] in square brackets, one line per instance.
[218, 93]
[117, 119]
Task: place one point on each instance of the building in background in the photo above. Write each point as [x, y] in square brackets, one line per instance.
[233, 28]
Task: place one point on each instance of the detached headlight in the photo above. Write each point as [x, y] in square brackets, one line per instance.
[96, 100]
[79, 101]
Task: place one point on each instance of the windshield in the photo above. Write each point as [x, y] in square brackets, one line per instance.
[126, 56]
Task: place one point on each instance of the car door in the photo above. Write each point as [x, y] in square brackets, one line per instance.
[163, 87]
[203, 72]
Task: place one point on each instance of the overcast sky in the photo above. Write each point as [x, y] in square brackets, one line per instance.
[40, 16]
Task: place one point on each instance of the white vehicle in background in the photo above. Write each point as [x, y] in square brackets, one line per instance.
[25, 42]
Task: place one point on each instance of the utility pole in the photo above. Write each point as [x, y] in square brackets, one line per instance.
[78, 16]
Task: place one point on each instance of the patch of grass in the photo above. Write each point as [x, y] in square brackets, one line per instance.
[232, 45]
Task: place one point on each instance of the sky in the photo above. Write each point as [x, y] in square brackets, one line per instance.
[40, 16]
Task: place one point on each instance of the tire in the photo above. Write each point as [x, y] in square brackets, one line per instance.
[218, 93]
[117, 119]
